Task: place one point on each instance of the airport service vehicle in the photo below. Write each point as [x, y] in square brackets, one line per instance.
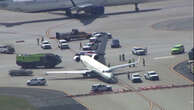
[74, 34]
[89, 46]
[135, 77]
[89, 7]
[151, 75]
[20, 72]
[47, 60]
[177, 49]
[191, 54]
[62, 44]
[46, 44]
[139, 51]
[36, 81]
[115, 43]
[7, 49]
[101, 88]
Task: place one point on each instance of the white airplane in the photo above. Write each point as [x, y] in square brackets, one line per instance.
[90, 7]
[95, 68]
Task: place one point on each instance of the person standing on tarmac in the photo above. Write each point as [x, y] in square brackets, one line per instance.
[143, 62]
[133, 60]
[120, 57]
[128, 75]
[80, 46]
[123, 57]
[108, 64]
[38, 41]
[129, 62]
[42, 39]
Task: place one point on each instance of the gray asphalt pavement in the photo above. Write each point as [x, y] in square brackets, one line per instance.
[132, 29]
[43, 99]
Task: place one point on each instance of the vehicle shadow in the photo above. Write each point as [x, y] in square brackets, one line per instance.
[42, 67]
[86, 20]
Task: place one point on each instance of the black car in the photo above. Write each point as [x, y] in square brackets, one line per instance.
[20, 73]
[115, 43]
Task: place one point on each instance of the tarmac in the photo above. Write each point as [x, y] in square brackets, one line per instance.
[156, 26]
[184, 69]
[43, 99]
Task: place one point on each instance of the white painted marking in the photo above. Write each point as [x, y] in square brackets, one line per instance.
[5, 66]
[165, 57]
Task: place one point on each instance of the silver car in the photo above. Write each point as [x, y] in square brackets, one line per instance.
[37, 81]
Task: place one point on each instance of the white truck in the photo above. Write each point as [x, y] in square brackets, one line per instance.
[101, 88]
[151, 75]
[62, 44]
[46, 44]
[135, 77]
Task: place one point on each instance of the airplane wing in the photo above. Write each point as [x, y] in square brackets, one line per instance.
[113, 68]
[80, 6]
[68, 72]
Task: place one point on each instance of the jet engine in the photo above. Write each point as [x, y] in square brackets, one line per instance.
[95, 56]
[76, 58]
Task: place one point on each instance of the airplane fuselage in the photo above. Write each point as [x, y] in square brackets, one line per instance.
[46, 5]
[98, 68]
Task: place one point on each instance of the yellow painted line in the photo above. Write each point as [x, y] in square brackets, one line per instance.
[151, 106]
[82, 104]
[78, 101]
[171, 68]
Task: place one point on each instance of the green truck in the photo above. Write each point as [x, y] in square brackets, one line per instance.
[47, 60]
[178, 49]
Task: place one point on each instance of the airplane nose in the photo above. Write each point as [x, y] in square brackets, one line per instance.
[3, 4]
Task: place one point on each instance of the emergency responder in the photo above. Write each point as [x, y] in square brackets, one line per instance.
[38, 41]
[143, 62]
[129, 62]
[123, 57]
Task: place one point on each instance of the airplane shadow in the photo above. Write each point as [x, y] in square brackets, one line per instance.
[127, 72]
[86, 20]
